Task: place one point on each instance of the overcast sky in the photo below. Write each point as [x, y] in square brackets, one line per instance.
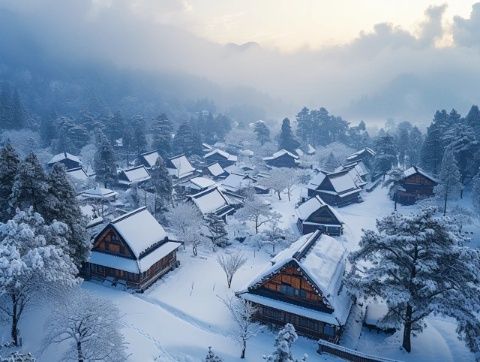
[370, 59]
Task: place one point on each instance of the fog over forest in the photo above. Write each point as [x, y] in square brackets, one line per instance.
[385, 72]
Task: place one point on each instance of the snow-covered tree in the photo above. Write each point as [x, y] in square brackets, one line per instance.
[386, 156]
[217, 232]
[286, 139]
[277, 181]
[18, 357]
[33, 254]
[291, 180]
[212, 356]
[283, 346]
[230, 263]
[104, 161]
[161, 182]
[187, 141]
[413, 150]
[418, 265]
[476, 192]
[187, 224]
[331, 163]
[243, 313]
[30, 187]
[449, 178]
[89, 326]
[162, 132]
[255, 210]
[262, 132]
[63, 206]
[9, 162]
[393, 177]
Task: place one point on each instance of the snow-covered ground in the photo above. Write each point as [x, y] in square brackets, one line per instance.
[183, 313]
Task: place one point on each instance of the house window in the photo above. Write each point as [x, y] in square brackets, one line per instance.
[287, 289]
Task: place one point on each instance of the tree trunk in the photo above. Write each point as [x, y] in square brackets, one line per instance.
[79, 352]
[395, 200]
[244, 347]
[194, 250]
[279, 197]
[14, 330]
[407, 329]
[445, 204]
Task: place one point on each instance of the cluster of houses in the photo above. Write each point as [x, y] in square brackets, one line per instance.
[303, 284]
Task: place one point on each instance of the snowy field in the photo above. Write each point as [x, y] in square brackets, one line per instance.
[183, 313]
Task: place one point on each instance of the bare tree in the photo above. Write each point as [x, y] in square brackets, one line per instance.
[89, 325]
[243, 313]
[277, 181]
[188, 224]
[291, 177]
[230, 265]
[257, 211]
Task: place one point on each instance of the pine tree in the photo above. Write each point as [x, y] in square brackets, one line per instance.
[304, 125]
[64, 207]
[433, 146]
[286, 140]
[402, 144]
[415, 142]
[476, 192]
[114, 127]
[262, 132]
[216, 230]
[162, 131]
[386, 156]
[140, 138]
[9, 163]
[186, 141]
[283, 346]
[30, 187]
[331, 163]
[418, 265]
[473, 120]
[449, 178]
[104, 161]
[212, 356]
[161, 182]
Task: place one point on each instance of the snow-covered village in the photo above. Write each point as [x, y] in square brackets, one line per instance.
[186, 181]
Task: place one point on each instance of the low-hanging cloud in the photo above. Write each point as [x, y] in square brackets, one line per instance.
[384, 73]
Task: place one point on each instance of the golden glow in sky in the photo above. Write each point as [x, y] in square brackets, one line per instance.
[293, 24]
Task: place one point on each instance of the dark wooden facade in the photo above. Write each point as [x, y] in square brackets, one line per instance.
[291, 285]
[284, 160]
[328, 194]
[222, 161]
[111, 243]
[68, 163]
[322, 219]
[415, 187]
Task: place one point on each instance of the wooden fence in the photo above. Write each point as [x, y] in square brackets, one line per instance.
[349, 354]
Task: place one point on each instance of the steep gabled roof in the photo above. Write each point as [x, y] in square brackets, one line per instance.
[342, 182]
[63, 156]
[235, 182]
[135, 175]
[179, 166]
[139, 229]
[215, 169]
[223, 154]
[323, 260]
[280, 153]
[78, 174]
[99, 193]
[210, 201]
[416, 170]
[150, 158]
[305, 210]
[366, 151]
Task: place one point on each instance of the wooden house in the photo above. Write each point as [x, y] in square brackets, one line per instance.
[237, 182]
[282, 158]
[196, 184]
[304, 287]
[133, 176]
[415, 184]
[148, 159]
[337, 189]
[314, 215]
[179, 167]
[359, 169]
[223, 158]
[212, 201]
[68, 160]
[366, 155]
[132, 250]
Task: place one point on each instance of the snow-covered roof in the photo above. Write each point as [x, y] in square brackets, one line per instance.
[135, 175]
[202, 182]
[310, 149]
[247, 152]
[150, 158]
[236, 182]
[358, 165]
[223, 154]
[139, 229]
[323, 259]
[342, 182]
[279, 154]
[78, 174]
[179, 166]
[209, 201]
[299, 152]
[317, 180]
[353, 172]
[360, 152]
[311, 205]
[63, 156]
[99, 193]
[215, 169]
[414, 170]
